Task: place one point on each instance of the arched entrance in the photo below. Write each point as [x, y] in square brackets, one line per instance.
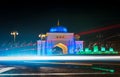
[60, 48]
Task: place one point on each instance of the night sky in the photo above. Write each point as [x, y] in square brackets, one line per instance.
[32, 18]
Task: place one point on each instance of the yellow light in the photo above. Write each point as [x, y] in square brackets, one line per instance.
[14, 33]
[64, 47]
[42, 35]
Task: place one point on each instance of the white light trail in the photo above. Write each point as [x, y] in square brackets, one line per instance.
[47, 74]
[61, 58]
[6, 69]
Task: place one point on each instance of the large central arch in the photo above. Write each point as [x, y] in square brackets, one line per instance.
[63, 47]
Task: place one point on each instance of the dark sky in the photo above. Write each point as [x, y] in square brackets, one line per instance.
[30, 18]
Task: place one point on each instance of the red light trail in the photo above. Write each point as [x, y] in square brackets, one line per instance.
[100, 29]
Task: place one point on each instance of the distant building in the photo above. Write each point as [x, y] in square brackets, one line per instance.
[58, 41]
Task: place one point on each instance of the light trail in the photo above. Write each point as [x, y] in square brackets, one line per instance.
[66, 63]
[60, 58]
[33, 74]
[99, 29]
[6, 69]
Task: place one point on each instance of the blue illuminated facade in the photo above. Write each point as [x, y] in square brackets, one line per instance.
[59, 41]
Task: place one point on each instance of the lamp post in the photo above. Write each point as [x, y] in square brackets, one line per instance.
[14, 34]
[41, 36]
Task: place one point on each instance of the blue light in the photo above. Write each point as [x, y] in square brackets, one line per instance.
[52, 29]
[65, 29]
[58, 29]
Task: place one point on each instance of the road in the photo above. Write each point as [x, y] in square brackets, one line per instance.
[61, 69]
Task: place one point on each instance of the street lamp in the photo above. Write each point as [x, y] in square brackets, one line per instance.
[42, 36]
[14, 34]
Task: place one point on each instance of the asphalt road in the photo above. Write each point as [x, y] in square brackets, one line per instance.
[61, 69]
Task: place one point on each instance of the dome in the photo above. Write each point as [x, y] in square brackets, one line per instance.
[58, 29]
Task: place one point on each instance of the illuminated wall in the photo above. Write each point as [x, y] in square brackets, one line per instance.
[41, 47]
[79, 46]
[64, 38]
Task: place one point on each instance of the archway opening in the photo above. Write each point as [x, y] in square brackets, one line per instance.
[60, 48]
